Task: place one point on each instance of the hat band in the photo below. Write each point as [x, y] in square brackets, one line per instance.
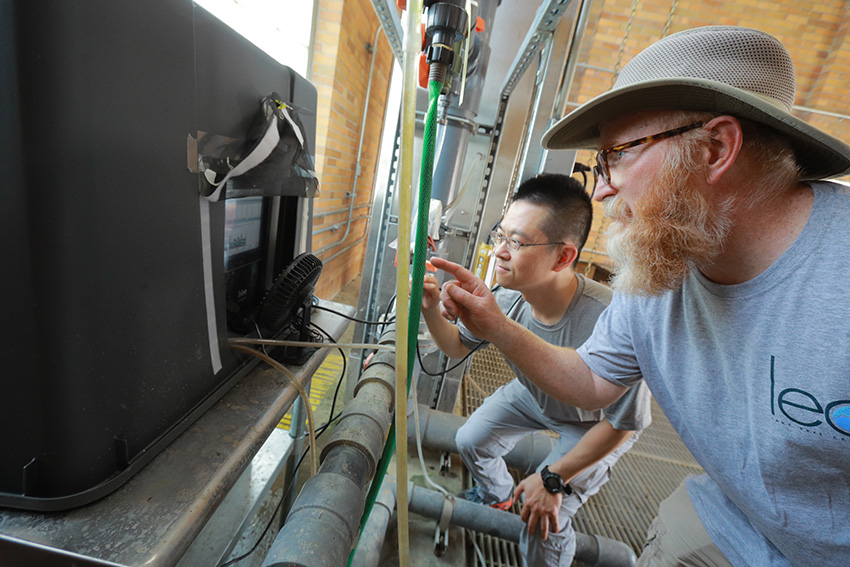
[772, 101]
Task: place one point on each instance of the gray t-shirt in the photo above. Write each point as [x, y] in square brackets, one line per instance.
[629, 413]
[755, 378]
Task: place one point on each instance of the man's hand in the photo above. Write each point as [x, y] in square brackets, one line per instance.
[430, 293]
[470, 299]
[541, 506]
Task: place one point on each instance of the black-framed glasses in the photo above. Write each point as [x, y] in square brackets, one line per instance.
[512, 243]
[604, 162]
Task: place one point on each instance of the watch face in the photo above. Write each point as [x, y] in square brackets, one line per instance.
[551, 483]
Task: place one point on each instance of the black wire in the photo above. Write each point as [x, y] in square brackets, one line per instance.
[319, 432]
[271, 520]
[447, 370]
[387, 313]
[384, 324]
[462, 360]
[341, 376]
[344, 316]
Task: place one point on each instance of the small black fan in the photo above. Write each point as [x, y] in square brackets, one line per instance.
[286, 308]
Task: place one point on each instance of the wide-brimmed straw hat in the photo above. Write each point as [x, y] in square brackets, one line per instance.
[725, 69]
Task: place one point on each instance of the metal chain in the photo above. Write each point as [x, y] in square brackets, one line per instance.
[602, 223]
[670, 18]
[620, 52]
[622, 49]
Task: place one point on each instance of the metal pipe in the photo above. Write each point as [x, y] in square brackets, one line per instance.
[437, 431]
[298, 434]
[344, 250]
[337, 211]
[544, 60]
[371, 539]
[591, 549]
[338, 226]
[324, 521]
[458, 118]
[357, 165]
[562, 98]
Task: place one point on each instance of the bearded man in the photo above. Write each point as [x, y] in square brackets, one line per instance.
[728, 248]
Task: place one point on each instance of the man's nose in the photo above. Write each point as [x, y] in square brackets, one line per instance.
[603, 190]
[501, 247]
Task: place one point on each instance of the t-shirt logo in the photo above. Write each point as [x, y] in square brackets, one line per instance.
[840, 416]
[805, 409]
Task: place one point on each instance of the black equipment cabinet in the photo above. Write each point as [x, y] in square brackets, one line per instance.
[112, 323]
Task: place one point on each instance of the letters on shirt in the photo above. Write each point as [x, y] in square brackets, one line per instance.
[804, 408]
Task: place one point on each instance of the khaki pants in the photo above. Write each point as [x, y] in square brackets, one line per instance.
[677, 538]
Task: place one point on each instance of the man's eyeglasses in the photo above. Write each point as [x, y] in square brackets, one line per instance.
[603, 162]
[512, 243]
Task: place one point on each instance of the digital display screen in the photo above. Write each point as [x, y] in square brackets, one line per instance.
[242, 227]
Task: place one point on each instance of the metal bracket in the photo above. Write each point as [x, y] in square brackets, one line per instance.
[387, 13]
[545, 22]
[441, 534]
[445, 463]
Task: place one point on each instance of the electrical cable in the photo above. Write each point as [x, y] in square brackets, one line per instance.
[471, 352]
[344, 316]
[447, 370]
[342, 374]
[387, 311]
[259, 333]
[436, 486]
[254, 547]
[478, 552]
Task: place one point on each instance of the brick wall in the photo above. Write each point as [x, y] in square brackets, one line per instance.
[340, 72]
[816, 33]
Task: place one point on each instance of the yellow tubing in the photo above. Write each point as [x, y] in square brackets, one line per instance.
[275, 342]
[311, 427]
[412, 47]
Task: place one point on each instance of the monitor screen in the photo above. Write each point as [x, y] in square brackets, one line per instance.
[243, 223]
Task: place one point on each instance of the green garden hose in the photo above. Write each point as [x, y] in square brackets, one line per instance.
[417, 279]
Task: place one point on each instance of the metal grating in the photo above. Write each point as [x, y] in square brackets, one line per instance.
[487, 371]
[625, 506]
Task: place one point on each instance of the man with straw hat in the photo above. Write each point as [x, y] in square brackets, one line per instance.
[731, 252]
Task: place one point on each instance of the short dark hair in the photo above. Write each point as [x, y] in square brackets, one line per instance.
[570, 211]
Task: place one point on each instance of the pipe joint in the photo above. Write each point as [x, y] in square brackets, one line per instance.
[364, 425]
[381, 369]
[329, 505]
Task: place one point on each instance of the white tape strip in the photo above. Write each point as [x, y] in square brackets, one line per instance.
[209, 289]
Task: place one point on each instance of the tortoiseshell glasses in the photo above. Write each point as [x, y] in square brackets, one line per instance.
[603, 165]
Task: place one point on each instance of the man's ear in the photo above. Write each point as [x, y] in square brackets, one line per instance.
[566, 256]
[727, 137]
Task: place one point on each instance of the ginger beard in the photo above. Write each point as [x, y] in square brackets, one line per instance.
[671, 229]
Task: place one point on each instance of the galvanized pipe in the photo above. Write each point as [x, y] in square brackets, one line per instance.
[357, 164]
[454, 132]
[323, 524]
[437, 430]
[371, 539]
[591, 549]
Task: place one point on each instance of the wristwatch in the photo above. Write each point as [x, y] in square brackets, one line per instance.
[553, 482]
